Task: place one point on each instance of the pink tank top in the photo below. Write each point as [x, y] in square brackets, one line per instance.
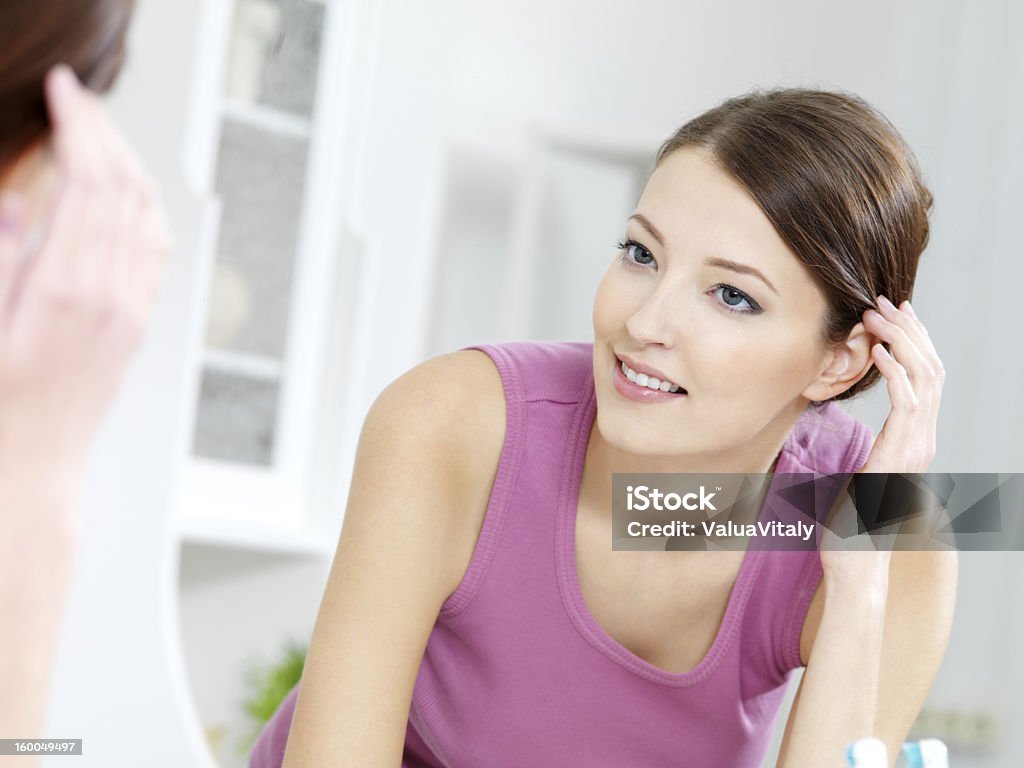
[517, 672]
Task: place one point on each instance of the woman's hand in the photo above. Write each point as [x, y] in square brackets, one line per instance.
[914, 377]
[74, 310]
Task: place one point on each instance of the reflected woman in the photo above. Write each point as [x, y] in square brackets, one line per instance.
[475, 613]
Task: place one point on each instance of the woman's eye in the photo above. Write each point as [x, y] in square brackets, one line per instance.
[635, 253]
[735, 300]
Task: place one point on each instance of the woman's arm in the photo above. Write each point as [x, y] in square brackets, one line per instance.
[887, 616]
[37, 547]
[869, 670]
[424, 467]
[837, 697]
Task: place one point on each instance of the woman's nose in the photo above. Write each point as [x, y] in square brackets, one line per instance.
[656, 320]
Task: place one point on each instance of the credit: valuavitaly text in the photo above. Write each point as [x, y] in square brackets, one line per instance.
[727, 529]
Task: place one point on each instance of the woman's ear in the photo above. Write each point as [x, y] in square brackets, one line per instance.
[845, 365]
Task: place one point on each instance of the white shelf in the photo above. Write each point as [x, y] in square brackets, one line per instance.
[268, 119]
[254, 536]
[243, 363]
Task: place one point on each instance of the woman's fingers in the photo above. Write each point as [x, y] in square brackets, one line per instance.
[905, 340]
[101, 229]
[80, 166]
[923, 336]
[928, 374]
[78, 152]
[895, 328]
[937, 373]
[141, 261]
[901, 425]
[914, 378]
[907, 320]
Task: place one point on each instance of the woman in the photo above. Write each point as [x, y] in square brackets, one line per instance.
[82, 247]
[475, 614]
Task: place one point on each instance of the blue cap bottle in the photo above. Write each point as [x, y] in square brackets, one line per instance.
[867, 753]
[927, 753]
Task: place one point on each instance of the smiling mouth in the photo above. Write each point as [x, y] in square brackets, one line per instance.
[649, 382]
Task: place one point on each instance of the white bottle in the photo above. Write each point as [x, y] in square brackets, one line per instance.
[927, 753]
[867, 753]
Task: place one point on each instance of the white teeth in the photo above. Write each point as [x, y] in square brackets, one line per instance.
[649, 381]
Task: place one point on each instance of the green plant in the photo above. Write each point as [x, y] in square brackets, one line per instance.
[267, 685]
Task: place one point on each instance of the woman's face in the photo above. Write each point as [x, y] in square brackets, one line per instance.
[747, 350]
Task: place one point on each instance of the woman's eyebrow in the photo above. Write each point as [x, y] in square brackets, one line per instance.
[743, 269]
[735, 266]
[646, 224]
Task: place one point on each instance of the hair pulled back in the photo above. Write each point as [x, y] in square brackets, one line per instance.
[839, 184]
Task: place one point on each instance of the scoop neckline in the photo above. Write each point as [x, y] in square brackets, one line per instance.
[572, 593]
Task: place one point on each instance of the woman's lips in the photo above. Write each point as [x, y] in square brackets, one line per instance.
[644, 368]
[637, 393]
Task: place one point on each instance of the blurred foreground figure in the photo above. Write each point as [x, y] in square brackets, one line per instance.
[83, 241]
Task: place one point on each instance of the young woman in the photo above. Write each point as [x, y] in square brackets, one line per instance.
[82, 247]
[475, 614]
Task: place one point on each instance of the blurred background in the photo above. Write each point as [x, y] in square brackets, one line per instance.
[357, 185]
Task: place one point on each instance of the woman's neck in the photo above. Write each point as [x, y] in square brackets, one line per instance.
[755, 456]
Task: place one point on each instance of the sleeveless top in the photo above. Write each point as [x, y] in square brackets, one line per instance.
[517, 672]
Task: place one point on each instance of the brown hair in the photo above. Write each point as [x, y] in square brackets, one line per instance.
[839, 184]
[88, 35]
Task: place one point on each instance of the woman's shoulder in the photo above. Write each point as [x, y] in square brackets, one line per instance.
[456, 398]
[451, 409]
[456, 410]
[552, 371]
